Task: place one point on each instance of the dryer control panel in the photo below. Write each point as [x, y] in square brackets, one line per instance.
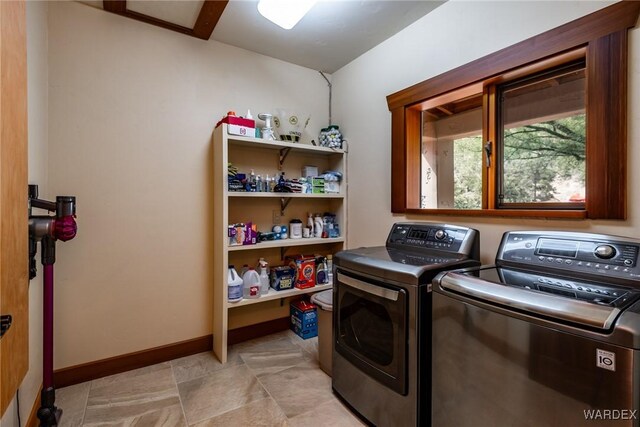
[586, 253]
[444, 237]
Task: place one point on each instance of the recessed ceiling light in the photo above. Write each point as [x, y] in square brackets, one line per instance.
[285, 13]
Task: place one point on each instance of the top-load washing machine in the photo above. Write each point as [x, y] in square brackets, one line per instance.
[382, 319]
[548, 336]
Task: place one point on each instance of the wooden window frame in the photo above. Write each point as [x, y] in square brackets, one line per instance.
[602, 37]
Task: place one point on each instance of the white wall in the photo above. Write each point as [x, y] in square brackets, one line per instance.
[452, 35]
[131, 110]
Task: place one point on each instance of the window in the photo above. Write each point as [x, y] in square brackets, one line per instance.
[541, 140]
[451, 163]
[535, 130]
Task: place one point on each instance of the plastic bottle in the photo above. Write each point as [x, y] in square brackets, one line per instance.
[234, 284]
[330, 268]
[244, 269]
[321, 271]
[310, 224]
[325, 228]
[317, 226]
[259, 185]
[263, 264]
[264, 276]
[264, 282]
[252, 180]
[251, 284]
[267, 184]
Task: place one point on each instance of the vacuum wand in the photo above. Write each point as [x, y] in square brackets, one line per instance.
[47, 230]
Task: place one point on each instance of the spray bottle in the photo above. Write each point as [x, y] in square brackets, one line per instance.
[264, 276]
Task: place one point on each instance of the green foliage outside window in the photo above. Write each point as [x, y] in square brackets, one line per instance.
[543, 162]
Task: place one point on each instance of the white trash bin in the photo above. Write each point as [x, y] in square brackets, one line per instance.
[324, 300]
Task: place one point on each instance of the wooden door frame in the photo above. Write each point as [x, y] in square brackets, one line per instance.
[14, 279]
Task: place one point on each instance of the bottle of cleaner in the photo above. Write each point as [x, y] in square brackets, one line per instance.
[321, 271]
[263, 265]
[234, 283]
[264, 280]
[317, 226]
[252, 180]
[258, 184]
[310, 224]
[251, 284]
[330, 268]
[263, 270]
[244, 269]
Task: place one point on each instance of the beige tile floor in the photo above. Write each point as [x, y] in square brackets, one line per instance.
[269, 381]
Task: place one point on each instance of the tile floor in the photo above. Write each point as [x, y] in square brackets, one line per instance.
[269, 381]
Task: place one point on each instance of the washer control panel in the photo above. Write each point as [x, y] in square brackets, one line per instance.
[578, 252]
[597, 293]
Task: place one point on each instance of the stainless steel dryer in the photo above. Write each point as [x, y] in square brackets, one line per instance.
[382, 319]
[548, 336]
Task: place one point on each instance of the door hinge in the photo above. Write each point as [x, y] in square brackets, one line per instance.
[5, 323]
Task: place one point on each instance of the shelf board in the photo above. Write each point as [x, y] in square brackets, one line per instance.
[279, 145]
[273, 294]
[286, 195]
[286, 243]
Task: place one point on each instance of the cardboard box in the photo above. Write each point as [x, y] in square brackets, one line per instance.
[242, 233]
[309, 171]
[239, 126]
[331, 187]
[236, 234]
[282, 278]
[304, 319]
[305, 268]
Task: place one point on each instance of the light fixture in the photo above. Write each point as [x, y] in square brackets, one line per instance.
[285, 13]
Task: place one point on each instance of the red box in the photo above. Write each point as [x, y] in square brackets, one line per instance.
[305, 271]
[239, 126]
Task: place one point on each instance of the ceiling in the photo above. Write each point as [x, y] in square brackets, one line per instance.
[331, 35]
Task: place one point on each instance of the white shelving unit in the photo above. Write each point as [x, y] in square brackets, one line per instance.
[267, 157]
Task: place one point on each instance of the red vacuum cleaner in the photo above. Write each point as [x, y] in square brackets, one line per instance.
[47, 230]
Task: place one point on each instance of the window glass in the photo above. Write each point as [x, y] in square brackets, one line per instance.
[543, 145]
[451, 162]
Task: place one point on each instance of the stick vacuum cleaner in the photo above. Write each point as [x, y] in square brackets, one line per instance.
[47, 230]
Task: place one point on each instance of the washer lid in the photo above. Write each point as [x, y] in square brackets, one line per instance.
[410, 267]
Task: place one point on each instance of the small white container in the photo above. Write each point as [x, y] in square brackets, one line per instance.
[295, 229]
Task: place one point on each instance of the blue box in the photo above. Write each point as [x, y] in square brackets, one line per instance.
[304, 319]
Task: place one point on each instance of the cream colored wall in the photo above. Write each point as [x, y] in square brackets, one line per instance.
[452, 35]
[131, 110]
[37, 82]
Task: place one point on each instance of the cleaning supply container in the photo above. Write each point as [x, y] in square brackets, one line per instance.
[324, 300]
[251, 284]
[234, 283]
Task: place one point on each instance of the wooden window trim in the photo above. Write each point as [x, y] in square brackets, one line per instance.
[603, 34]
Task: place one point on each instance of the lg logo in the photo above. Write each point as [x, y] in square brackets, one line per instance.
[605, 360]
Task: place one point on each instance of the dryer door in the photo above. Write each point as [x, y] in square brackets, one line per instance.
[370, 320]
